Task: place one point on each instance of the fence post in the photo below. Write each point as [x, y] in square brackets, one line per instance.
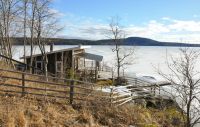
[111, 96]
[135, 81]
[155, 89]
[71, 94]
[23, 84]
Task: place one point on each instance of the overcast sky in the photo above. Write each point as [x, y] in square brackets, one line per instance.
[163, 20]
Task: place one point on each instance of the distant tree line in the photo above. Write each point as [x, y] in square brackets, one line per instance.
[135, 41]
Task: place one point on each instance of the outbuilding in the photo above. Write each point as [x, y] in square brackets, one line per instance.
[67, 62]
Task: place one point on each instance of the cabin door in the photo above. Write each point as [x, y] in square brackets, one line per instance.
[59, 68]
[39, 67]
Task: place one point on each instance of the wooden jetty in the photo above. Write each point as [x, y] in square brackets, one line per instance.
[138, 89]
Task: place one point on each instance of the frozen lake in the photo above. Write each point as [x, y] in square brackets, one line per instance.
[146, 58]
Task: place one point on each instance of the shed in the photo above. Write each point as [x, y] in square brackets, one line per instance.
[65, 62]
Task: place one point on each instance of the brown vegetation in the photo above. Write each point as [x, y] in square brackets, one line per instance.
[38, 112]
[24, 112]
[107, 82]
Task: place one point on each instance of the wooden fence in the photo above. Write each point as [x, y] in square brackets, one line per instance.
[66, 90]
[74, 91]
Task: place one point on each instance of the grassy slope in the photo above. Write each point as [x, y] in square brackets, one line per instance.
[26, 112]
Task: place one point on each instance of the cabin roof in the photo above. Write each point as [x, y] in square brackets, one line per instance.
[56, 51]
[83, 54]
[91, 56]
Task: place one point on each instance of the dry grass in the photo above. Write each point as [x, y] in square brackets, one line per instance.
[23, 112]
[26, 112]
[135, 115]
[31, 112]
[107, 82]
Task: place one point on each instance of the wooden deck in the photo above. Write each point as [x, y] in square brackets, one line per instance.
[137, 89]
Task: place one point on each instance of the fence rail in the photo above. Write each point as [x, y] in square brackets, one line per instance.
[74, 91]
[70, 90]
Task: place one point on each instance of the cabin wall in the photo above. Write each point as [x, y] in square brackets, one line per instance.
[58, 58]
[65, 57]
[37, 69]
[72, 64]
[28, 62]
[67, 63]
[51, 63]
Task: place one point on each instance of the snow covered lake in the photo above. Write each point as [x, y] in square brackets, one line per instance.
[146, 58]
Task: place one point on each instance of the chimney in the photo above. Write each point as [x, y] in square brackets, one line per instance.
[51, 47]
[79, 45]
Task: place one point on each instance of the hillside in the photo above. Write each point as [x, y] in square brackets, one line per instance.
[25, 112]
[32, 110]
[137, 41]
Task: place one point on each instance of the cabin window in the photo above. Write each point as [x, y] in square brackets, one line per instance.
[39, 67]
[90, 64]
[86, 64]
[39, 64]
[58, 66]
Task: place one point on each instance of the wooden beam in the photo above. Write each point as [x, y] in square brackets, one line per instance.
[55, 63]
[96, 71]
[71, 95]
[62, 64]
[73, 64]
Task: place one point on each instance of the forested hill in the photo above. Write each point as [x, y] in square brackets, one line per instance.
[137, 41]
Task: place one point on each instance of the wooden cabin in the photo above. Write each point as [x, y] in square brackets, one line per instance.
[65, 62]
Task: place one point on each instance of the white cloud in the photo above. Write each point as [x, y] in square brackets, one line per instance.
[166, 18]
[86, 30]
[57, 13]
[190, 26]
[167, 30]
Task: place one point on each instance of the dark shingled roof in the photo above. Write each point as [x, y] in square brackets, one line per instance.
[91, 56]
[85, 55]
[52, 52]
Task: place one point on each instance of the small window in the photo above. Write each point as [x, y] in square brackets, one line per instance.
[59, 66]
[39, 65]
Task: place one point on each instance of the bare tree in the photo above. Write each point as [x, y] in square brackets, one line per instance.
[122, 55]
[30, 24]
[35, 15]
[45, 27]
[8, 14]
[185, 80]
[25, 9]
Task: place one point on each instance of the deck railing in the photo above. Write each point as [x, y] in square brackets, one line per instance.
[135, 89]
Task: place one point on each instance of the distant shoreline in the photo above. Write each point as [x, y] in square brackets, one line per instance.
[114, 45]
[131, 41]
